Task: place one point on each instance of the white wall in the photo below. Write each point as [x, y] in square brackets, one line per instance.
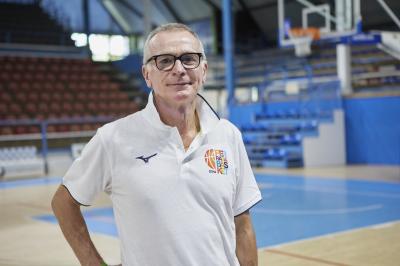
[329, 147]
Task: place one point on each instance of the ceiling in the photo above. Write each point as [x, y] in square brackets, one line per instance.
[129, 16]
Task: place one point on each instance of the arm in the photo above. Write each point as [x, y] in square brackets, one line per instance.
[246, 248]
[73, 226]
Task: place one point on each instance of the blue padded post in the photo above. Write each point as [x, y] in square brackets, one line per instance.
[228, 52]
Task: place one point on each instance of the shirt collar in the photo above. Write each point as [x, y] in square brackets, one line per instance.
[208, 119]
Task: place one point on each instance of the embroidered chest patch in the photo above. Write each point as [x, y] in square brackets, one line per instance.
[216, 161]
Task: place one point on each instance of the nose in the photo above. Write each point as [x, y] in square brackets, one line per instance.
[178, 67]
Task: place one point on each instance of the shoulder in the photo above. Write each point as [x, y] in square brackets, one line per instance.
[119, 126]
[229, 128]
[225, 131]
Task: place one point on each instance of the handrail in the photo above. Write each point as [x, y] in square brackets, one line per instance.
[44, 136]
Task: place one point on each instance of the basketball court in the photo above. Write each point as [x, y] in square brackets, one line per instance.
[333, 216]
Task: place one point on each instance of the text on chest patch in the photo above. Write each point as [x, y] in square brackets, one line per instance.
[216, 161]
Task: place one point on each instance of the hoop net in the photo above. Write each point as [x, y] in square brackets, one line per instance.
[302, 39]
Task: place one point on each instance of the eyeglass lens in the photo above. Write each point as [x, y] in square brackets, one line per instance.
[167, 62]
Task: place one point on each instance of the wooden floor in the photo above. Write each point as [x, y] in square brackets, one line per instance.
[27, 241]
[378, 245]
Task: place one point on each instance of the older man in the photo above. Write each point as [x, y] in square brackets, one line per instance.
[178, 176]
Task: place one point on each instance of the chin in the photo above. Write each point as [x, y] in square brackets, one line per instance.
[184, 95]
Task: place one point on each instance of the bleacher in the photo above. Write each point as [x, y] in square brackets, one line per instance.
[51, 94]
[29, 24]
[20, 162]
[279, 135]
[56, 90]
[371, 67]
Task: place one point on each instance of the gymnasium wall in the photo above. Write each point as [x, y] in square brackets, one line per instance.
[372, 128]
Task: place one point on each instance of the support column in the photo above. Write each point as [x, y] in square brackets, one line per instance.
[348, 14]
[228, 52]
[215, 26]
[340, 15]
[343, 52]
[86, 23]
[146, 17]
[357, 15]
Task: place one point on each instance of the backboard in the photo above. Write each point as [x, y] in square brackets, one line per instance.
[322, 22]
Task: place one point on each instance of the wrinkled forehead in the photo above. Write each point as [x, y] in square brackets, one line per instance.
[174, 42]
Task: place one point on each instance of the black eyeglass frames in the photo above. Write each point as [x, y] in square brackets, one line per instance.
[166, 62]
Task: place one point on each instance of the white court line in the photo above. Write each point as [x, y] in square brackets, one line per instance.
[375, 226]
[264, 186]
[319, 212]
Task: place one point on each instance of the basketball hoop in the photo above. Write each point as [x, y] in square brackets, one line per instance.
[302, 45]
[302, 39]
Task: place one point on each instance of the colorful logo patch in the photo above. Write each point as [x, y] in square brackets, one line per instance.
[216, 160]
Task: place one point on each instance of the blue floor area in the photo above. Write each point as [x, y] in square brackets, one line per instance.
[100, 220]
[295, 208]
[30, 182]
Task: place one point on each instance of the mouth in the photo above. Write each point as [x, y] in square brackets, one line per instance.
[180, 84]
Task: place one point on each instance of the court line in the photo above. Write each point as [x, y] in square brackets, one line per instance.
[316, 188]
[298, 256]
[381, 180]
[319, 212]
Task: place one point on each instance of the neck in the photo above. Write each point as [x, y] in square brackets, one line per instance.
[184, 117]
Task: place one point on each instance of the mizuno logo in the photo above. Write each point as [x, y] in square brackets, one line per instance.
[146, 159]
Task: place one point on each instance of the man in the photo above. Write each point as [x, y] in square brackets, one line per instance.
[178, 176]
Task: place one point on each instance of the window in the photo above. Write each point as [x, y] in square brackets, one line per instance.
[103, 47]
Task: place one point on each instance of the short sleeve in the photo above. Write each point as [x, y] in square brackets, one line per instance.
[247, 191]
[90, 173]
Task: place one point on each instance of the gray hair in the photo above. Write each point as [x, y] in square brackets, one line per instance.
[169, 27]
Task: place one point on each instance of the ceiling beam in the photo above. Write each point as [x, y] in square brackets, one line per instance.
[118, 21]
[132, 9]
[211, 4]
[172, 11]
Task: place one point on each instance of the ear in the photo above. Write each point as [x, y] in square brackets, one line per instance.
[204, 69]
[145, 73]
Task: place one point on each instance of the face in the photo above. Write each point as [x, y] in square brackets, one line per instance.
[177, 86]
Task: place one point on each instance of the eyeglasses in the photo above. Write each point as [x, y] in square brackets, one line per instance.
[166, 62]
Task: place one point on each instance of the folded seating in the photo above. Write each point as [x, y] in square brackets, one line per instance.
[21, 161]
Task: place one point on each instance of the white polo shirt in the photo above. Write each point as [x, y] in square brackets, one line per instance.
[171, 206]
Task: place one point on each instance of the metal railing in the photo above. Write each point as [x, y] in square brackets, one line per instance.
[44, 136]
